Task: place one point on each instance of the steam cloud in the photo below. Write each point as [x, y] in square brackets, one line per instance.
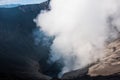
[81, 29]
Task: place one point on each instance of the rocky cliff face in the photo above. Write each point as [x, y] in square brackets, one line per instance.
[107, 68]
[20, 58]
[110, 64]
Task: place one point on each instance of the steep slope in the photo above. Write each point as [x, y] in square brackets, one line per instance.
[110, 64]
[106, 69]
[19, 56]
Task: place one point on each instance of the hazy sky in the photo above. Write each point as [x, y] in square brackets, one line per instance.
[2, 2]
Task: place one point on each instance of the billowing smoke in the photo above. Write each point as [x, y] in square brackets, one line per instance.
[81, 29]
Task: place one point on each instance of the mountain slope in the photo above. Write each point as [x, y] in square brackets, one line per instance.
[106, 69]
[19, 56]
[110, 64]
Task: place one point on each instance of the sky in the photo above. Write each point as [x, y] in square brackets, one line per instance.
[3, 2]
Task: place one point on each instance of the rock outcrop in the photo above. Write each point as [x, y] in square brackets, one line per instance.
[107, 68]
[110, 64]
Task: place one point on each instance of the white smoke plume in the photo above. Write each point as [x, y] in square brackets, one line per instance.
[81, 29]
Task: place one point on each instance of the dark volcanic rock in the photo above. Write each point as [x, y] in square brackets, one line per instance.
[20, 58]
[75, 73]
[82, 75]
[86, 77]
